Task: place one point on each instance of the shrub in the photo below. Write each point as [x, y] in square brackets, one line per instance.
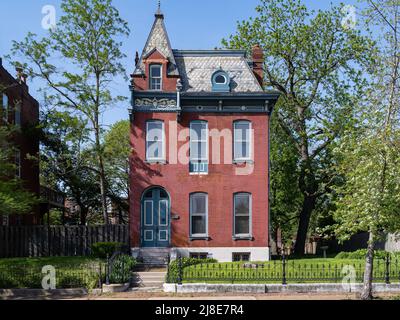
[121, 268]
[361, 254]
[102, 249]
[173, 271]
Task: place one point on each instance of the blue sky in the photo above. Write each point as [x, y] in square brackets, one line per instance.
[191, 24]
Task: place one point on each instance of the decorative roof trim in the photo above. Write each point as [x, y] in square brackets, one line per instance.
[201, 53]
[174, 71]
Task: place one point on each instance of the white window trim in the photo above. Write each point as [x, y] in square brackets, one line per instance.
[163, 157]
[250, 157]
[197, 140]
[198, 235]
[242, 235]
[160, 77]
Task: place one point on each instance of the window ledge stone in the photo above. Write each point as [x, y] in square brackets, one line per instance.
[206, 238]
[239, 238]
[239, 162]
[156, 161]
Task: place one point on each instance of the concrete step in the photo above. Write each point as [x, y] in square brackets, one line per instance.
[149, 279]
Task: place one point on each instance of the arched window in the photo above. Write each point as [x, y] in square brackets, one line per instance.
[220, 81]
[198, 215]
[242, 215]
[242, 140]
[156, 77]
[155, 141]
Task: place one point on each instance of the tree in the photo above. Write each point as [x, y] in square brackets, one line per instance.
[66, 162]
[117, 149]
[285, 194]
[315, 63]
[369, 199]
[88, 50]
[14, 199]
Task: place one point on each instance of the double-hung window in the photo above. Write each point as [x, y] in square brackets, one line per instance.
[155, 141]
[198, 215]
[155, 77]
[198, 147]
[242, 140]
[242, 215]
[4, 111]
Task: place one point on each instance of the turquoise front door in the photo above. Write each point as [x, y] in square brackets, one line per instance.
[155, 227]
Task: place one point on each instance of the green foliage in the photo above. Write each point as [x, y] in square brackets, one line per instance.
[87, 44]
[71, 272]
[173, 270]
[362, 253]
[316, 65]
[121, 269]
[117, 149]
[103, 249]
[14, 199]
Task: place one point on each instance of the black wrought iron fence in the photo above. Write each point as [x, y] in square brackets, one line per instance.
[284, 271]
[65, 276]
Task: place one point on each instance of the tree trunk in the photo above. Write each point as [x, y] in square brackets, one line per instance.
[83, 215]
[369, 265]
[304, 221]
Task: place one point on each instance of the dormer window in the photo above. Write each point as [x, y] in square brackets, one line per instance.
[156, 77]
[220, 81]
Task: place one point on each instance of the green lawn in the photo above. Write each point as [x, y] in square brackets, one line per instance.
[297, 271]
[71, 272]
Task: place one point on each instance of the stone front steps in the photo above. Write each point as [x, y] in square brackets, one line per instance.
[154, 257]
[149, 280]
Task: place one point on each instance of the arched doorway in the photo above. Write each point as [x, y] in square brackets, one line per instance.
[155, 226]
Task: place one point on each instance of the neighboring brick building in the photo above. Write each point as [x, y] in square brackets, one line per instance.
[20, 108]
[190, 195]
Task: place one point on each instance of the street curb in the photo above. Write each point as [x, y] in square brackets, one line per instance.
[277, 288]
[9, 293]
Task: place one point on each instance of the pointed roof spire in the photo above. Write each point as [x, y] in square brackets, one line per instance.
[159, 13]
[158, 39]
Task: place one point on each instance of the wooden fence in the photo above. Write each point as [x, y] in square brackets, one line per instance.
[43, 241]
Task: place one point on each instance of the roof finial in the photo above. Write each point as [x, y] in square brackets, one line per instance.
[159, 8]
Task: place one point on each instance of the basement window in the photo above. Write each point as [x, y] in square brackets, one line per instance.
[240, 256]
[198, 255]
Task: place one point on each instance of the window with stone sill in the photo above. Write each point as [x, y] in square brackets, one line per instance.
[156, 77]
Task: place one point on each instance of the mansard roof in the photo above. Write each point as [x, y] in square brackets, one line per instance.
[158, 39]
[196, 68]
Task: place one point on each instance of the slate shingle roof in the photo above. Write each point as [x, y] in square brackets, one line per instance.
[197, 67]
[158, 39]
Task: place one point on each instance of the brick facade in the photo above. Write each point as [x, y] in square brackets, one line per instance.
[26, 142]
[189, 93]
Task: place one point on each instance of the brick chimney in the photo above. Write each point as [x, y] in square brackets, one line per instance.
[258, 63]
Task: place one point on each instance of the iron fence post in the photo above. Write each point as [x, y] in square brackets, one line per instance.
[168, 274]
[108, 270]
[180, 270]
[100, 275]
[387, 269]
[284, 282]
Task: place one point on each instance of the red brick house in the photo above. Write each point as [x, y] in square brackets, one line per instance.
[20, 108]
[200, 163]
